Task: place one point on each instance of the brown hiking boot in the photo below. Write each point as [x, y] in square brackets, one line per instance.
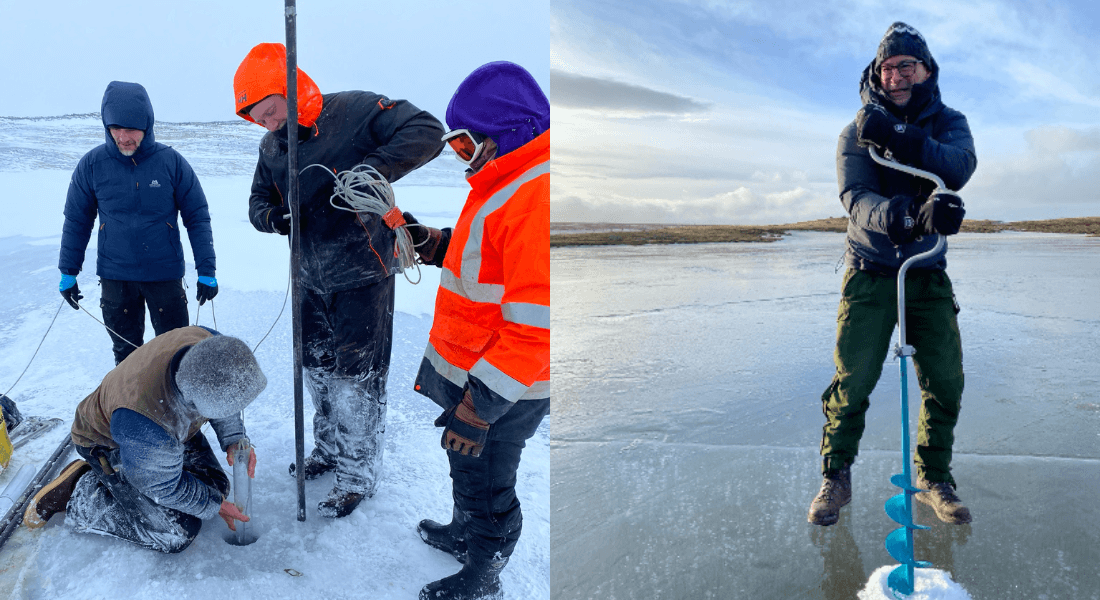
[54, 496]
[836, 491]
[942, 498]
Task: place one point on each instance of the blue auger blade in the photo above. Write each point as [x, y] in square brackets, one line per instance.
[902, 482]
[899, 580]
[895, 507]
[897, 546]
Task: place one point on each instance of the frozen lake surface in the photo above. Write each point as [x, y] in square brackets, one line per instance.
[687, 418]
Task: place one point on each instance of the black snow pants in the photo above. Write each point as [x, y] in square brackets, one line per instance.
[346, 338]
[104, 503]
[123, 304]
[484, 487]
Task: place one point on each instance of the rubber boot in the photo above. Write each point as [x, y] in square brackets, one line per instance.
[450, 538]
[479, 579]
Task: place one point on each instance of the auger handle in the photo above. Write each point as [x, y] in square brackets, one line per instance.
[940, 189]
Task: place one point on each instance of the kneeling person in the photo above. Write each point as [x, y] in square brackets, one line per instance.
[148, 475]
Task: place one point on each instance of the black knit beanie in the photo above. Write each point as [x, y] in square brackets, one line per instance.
[902, 39]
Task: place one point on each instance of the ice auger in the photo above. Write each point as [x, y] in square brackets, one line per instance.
[899, 543]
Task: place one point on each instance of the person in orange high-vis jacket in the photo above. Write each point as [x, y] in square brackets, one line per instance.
[488, 358]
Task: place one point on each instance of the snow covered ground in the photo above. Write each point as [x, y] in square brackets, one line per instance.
[687, 419]
[374, 553]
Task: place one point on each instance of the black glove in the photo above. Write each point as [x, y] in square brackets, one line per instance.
[418, 232]
[464, 432]
[279, 219]
[207, 289]
[941, 213]
[72, 294]
[901, 219]
[877, 127]
[426, 240]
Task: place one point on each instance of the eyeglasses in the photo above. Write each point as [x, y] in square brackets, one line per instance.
[466, 144]
[905, 68]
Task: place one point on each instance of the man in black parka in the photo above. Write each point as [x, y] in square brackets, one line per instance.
[892, 216]
[348, 260]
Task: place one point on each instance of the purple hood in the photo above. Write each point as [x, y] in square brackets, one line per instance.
[501, 100]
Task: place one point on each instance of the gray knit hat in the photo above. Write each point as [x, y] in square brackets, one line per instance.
[902, 39]
[220, 376]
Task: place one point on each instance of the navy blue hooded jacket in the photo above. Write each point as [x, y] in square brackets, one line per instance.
[866, 187]
[138, 198]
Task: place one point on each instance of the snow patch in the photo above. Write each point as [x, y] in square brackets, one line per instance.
[929, 584]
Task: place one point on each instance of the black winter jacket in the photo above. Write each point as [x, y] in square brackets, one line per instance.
[866, 187]
[341, 250]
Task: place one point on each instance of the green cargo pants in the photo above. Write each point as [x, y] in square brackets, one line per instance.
[865, 325]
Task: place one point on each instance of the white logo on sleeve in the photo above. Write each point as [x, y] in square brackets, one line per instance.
[154, 184]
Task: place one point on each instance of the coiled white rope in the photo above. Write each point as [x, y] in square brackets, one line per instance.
[364, 189]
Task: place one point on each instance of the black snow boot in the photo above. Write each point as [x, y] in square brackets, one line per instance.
[315, 467]
[450, 538]
[54, 496]
[836, 491]
[479, 579]
[339, 503]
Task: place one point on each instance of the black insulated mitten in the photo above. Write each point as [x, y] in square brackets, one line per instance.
[941, 213]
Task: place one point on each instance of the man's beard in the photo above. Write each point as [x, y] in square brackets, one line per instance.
[128, 152]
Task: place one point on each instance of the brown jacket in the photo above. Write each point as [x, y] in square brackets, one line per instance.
[143, 384]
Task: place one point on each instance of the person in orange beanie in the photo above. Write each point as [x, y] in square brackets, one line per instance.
[348, 259]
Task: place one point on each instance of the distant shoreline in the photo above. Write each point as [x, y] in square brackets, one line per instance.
[636, 234]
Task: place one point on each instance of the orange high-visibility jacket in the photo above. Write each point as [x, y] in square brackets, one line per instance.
[492, 309]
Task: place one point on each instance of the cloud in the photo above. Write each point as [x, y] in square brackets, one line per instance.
[1057, 174]
[778, 81]
[579, 91]
[742, 205]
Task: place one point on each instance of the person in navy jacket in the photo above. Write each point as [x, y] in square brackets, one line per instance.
[139, 188]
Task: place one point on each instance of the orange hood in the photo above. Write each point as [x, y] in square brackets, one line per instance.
[263, 73]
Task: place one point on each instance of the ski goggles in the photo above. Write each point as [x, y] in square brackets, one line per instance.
[466, 144]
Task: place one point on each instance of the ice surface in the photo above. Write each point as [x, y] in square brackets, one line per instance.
[687, 419]
[374, 553]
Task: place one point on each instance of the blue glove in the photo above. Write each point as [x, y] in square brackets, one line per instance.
[70, 291]
[208, 288]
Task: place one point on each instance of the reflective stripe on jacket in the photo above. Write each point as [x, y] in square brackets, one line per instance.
[492, 310]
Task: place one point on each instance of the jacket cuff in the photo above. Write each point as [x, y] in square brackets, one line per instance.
[489, 405]
[212, 508]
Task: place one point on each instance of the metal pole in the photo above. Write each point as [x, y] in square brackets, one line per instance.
[295, 248]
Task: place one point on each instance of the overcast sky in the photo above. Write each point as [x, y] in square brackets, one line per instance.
[699, 111]
[60, 55]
